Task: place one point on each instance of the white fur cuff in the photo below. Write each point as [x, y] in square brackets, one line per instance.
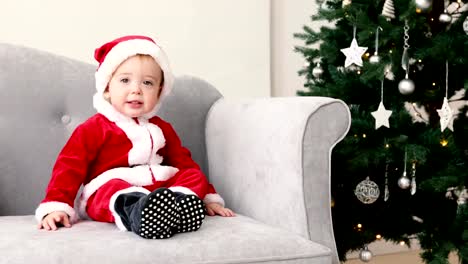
[213, 198]
[46, 208]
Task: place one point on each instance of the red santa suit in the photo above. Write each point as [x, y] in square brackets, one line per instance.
[111, 154]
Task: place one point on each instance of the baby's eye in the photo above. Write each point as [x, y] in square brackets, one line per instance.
[124, 80]
[150, 83]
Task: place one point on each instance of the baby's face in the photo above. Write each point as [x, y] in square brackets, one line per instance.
[135, 86]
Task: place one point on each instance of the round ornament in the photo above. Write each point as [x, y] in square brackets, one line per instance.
[367, 191]
[445, 18]
[317, 71]
[406, 86]
[424, 5]
[404, 182]
[465, 25]
[365, 255]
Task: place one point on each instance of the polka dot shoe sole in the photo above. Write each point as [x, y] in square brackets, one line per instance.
[159, 215]
[192, 212]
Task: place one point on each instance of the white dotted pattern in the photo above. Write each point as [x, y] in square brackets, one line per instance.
[159, 216]
[192, 213]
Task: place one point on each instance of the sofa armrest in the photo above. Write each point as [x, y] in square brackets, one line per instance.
[270, 159]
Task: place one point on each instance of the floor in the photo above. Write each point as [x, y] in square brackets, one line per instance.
[408, 257]
[390, 253]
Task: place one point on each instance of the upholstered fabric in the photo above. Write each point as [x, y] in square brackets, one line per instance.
[269, 158]
[219, 240]
[267, 170]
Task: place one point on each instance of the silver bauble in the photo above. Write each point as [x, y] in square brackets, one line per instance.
[445, 18]
[367, 191]
[465, 25]
[404, 182]
[406, 86]
[365, 255]
[374, 59]
[423, 4]
[317, 71]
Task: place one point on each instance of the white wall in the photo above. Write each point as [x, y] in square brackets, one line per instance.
[243, 47]
[225, 42]
[288, 17]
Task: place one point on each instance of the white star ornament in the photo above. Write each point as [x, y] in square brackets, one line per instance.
[381, 116]
[353, 54]
[446, 116]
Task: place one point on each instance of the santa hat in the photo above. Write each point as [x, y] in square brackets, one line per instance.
[113, 53]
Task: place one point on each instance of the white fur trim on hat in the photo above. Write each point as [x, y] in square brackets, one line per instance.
[118, 54]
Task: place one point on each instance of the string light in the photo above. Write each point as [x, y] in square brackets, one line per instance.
[402, 243]
[359, 226]
[364, 135]
[378, 236]
[387, 145]
[433, 84]
[443, 142]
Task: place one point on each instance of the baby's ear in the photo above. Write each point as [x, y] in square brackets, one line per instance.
[106, 94]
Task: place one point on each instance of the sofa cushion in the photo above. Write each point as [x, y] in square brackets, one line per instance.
[220, 240]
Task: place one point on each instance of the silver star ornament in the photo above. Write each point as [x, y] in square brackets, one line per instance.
[381, 116]
[446, 116]
[353, 54]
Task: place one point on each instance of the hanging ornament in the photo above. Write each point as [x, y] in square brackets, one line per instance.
[465, 25]
[445, 17]
[406, 86]
[387, 192]
[354, 52]
[367, 191]
[365, 255]
[388, 10]
[317, 71]
[413, 178]
[404, 182]
[381, 115]
[374, 59]
[445, 112]
[423, 5]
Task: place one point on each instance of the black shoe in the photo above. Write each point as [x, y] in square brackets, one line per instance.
[192, 212]
[155, 215]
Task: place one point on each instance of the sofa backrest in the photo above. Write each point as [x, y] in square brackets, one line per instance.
[45, 96]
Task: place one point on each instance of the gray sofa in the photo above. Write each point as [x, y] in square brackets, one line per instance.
[268, 157]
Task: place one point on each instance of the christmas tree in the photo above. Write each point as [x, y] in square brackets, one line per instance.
[402, 170]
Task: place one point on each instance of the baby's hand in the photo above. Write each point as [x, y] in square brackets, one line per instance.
[217, 209]
[50, 220]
